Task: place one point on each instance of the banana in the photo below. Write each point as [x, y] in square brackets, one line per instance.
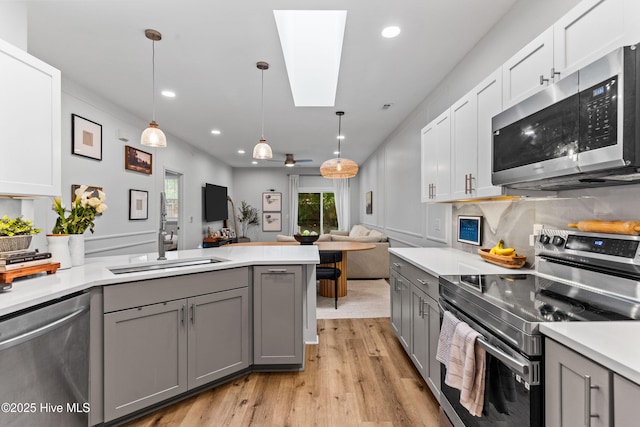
[494, 250]
[505, 251]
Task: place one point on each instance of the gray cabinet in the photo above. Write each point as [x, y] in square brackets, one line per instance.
[415, 317]
[577, 390]
[145, 357]
[277, 315]
[157, 351]
[625, 403]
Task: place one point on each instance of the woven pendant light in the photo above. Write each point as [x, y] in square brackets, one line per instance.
[339, 167]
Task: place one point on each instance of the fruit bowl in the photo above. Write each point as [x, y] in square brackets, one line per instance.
[506, 261]
[306, 240]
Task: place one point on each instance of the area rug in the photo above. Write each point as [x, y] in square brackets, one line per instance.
[365, 299]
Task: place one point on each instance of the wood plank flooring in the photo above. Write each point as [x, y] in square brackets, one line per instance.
[358, 375]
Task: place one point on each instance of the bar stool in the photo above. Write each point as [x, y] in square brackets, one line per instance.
[330, 273]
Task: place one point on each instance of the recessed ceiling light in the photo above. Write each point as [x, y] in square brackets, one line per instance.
[168, 93]
[254, 162]
[215, 132]
[241, 151]
[311, 43]
[390, 32]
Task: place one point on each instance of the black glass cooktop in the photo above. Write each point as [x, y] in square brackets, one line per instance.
[535, 299]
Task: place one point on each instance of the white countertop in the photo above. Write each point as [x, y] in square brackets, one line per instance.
[33, 290]
[446, 261]
[614, 345]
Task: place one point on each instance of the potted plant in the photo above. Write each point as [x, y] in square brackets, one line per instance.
[16, 233]
[248, 216]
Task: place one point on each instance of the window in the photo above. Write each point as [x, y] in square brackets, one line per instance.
[316, 209]
[171, 192]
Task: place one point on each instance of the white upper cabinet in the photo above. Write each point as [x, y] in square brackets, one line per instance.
[30, 125]
[464, 146]
[588, 31]
[435, 145]
[488, 100]
[524, 74]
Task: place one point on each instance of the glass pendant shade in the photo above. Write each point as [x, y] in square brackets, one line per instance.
[153, 136]
[262, 150]
[339, 168]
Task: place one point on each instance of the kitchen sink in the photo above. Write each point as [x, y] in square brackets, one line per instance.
[162, 265]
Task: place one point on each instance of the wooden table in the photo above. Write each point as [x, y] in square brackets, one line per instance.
[326, 286]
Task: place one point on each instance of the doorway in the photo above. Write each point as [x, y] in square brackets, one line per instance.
[173, 192]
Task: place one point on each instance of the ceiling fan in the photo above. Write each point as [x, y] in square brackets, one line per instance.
[289, 161]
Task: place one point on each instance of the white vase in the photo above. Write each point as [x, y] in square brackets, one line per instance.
[76, 249]
[59, 248]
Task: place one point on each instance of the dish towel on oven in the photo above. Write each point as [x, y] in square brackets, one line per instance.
[466, 370]
[448, 328]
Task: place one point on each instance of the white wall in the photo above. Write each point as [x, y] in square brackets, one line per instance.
[393, 171]
[13, 23]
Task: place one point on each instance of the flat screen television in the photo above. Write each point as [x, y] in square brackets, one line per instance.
[215, 203]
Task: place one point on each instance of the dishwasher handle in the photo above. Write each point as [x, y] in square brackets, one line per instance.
[34, 333]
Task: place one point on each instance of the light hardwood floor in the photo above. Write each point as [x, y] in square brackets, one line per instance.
[358, 375]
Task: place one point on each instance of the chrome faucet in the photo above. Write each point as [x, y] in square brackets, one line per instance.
[163, 224]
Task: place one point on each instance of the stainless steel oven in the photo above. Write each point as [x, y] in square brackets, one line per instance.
[580, 277]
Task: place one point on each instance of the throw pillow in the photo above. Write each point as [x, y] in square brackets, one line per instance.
[381, 236]
[283, 238]
[324, 238]
[359, 231]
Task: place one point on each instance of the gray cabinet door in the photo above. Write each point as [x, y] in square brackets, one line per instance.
[406, 318]
[626, 396]
[277, 315]
[433, 381]
[218, 336]
[577, 390]
[396, 303]
[420, 331]
[145, 357]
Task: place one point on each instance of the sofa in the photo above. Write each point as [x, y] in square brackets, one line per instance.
[369, 264]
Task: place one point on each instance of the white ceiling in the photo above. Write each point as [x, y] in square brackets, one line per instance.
[208, 56]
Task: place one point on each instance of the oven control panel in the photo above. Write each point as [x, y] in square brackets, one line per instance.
[564, 243]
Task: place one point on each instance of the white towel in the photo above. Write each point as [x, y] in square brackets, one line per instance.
[466, 370]
[449, 323]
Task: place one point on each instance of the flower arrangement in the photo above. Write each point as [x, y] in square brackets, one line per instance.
[16, 227]
[82, 213]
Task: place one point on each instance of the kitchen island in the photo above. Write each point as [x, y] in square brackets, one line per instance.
[163, 330]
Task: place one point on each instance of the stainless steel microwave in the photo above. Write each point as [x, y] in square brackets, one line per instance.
[581, 131]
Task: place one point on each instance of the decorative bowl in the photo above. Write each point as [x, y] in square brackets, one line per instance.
[516, 261]
[15, 243]
[306, 240]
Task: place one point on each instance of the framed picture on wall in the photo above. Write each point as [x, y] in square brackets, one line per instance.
[86, 138]
[138, 204]
[137, 160]
[470, 229]
[271, 202]
[369, 202]
[271, 221]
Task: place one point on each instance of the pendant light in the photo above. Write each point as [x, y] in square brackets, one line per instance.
[153, 136]
[339, 167]
[262, 150]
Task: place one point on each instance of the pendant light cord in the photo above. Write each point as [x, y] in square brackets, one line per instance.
[339, 134]
[153, 77]
[262, 101]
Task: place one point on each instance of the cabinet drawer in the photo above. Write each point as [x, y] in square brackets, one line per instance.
[146, 292]
[423, 280]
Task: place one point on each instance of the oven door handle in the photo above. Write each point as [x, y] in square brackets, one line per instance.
[519, 367]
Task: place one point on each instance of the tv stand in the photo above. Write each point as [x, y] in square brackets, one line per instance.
[216, 243]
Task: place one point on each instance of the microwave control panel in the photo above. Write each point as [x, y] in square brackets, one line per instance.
[598, 115]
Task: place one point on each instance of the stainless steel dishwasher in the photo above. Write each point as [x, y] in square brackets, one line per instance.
[44, 364]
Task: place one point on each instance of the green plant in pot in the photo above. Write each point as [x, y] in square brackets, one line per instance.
[247, 216]
[16, 233]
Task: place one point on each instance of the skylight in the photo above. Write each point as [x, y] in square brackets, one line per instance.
[311, 42]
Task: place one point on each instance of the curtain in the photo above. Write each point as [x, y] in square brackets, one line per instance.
[294, 183]
[343, 204]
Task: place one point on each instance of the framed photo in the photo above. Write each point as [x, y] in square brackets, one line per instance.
[91, 189]
[271, 221]
[470, 229]
[271, 202]
[86, 137]
[137, 160]
[369, 202]
[138, 204]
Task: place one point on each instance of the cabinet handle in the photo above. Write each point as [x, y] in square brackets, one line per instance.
[466, 183]
[398, 282]
[470, 184]
[420, 313]
[193, 314]
[277, 270]
[395, 264]
[587, 400]
[184, 313]
[425, 312]
[542, 80]
[423, 282]
[554, 72]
